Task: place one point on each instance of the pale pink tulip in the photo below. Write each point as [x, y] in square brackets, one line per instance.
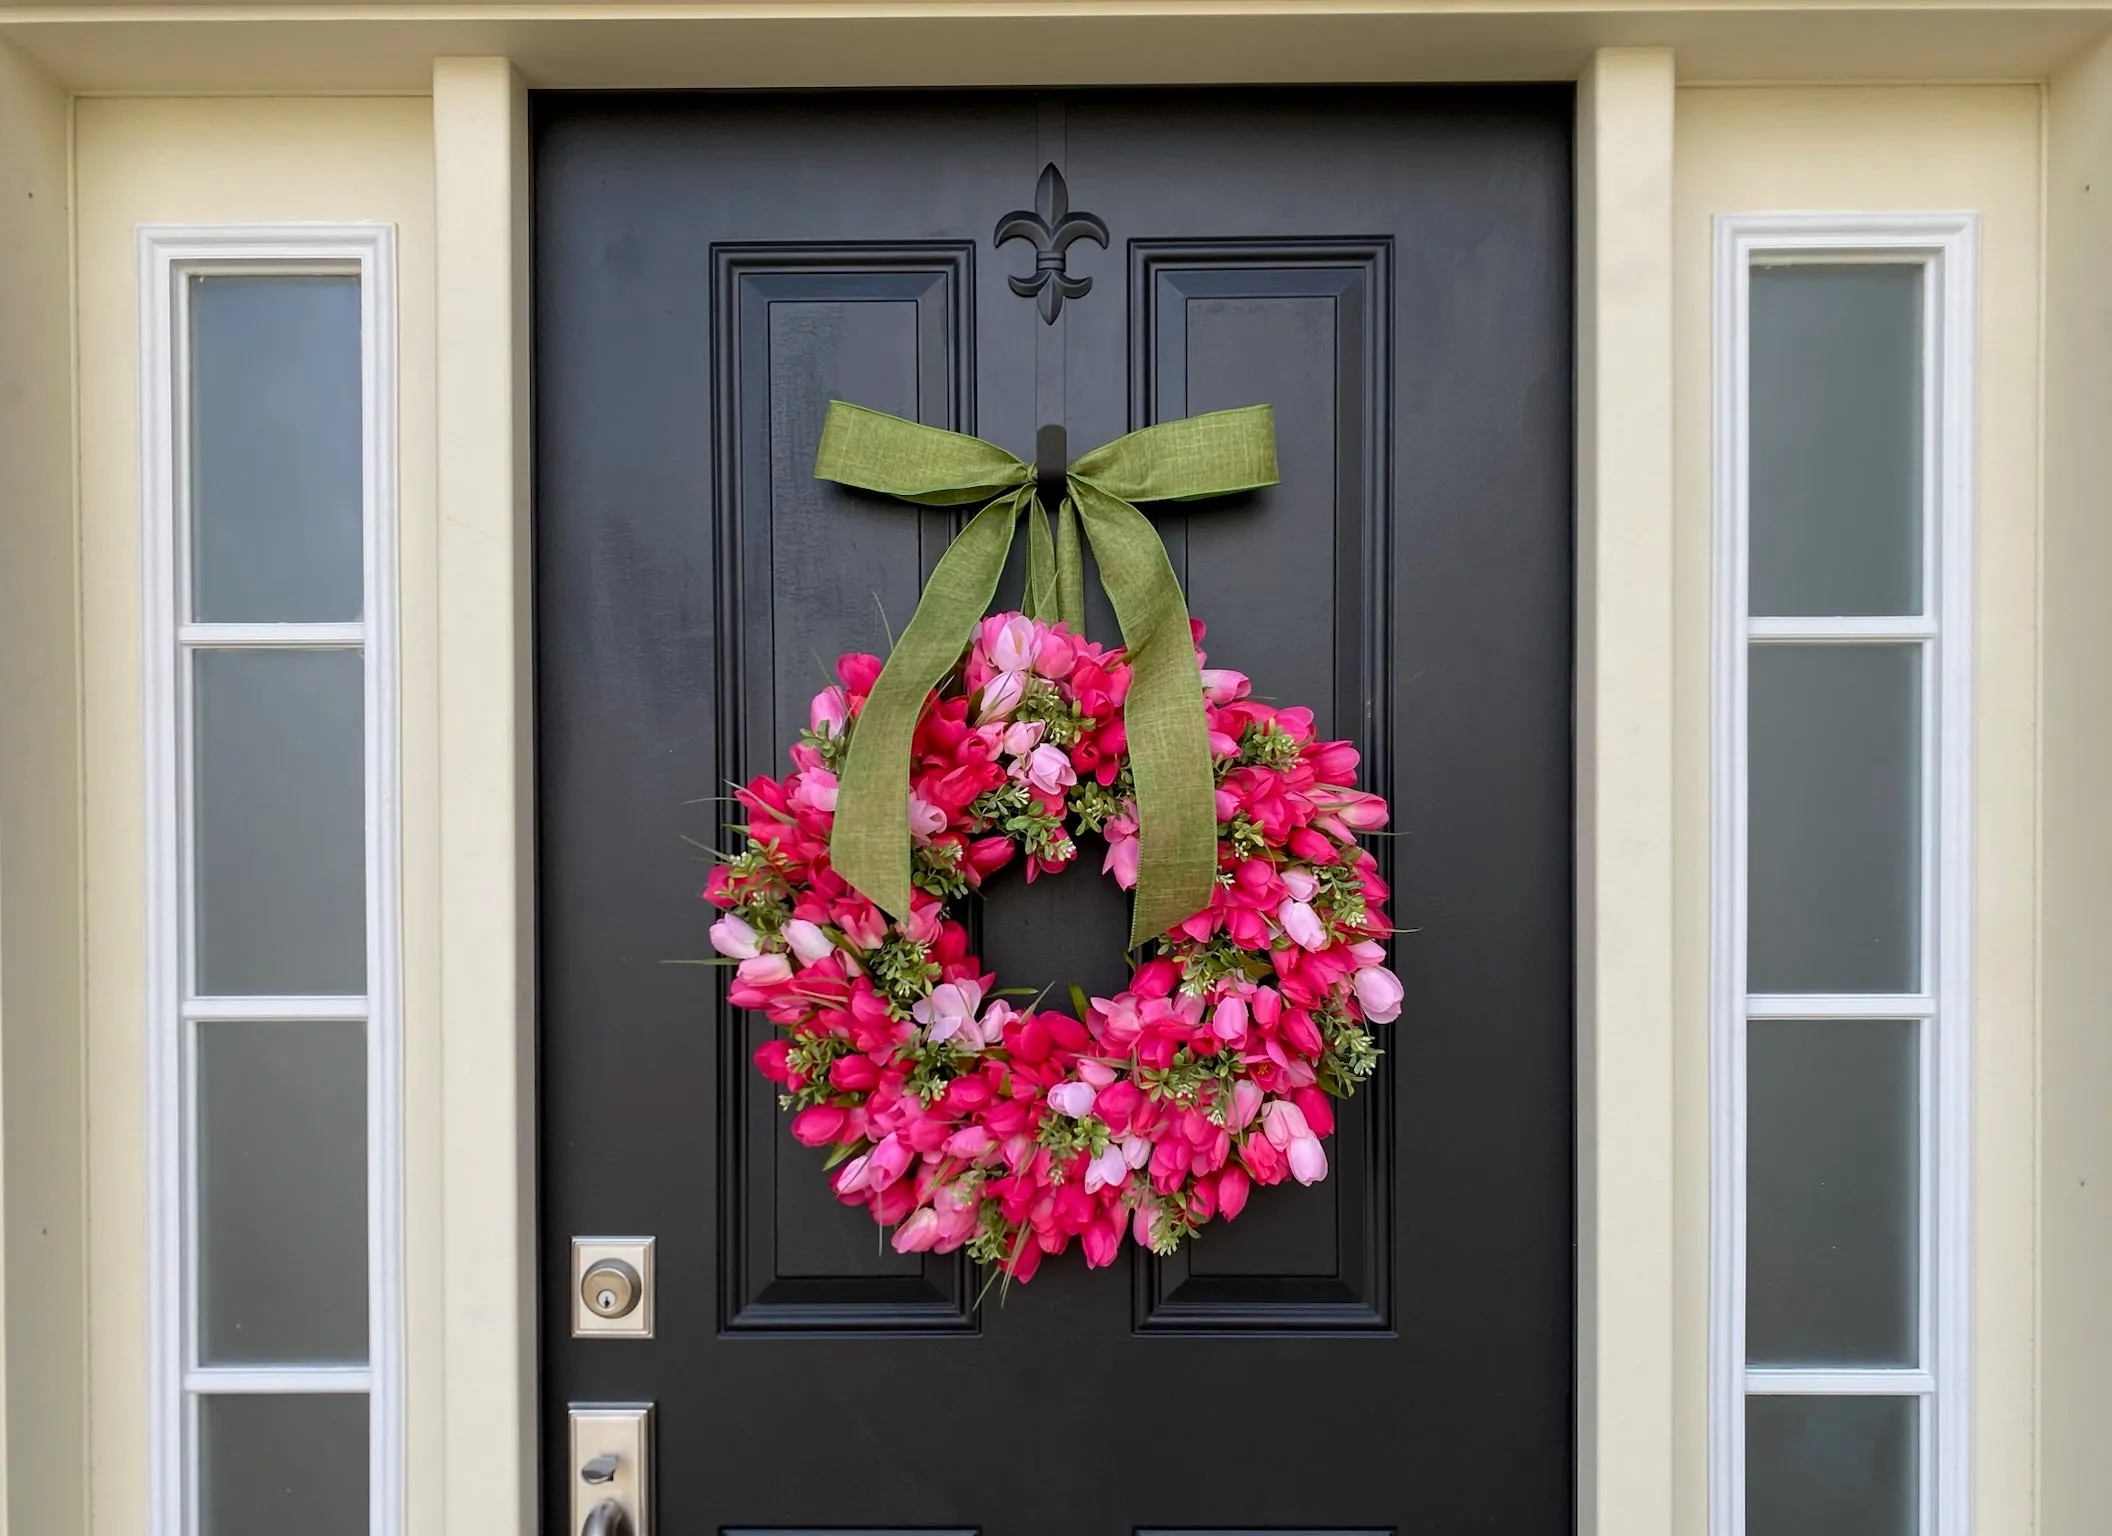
[1308, 1160]
[926, 820]
[1283, 1123]
[828, 713]
[815, 791]
[1001, 695]
[950, 1007]
[1017, 643]
[1246, 1103]
[1106, 1171]
[1299, 882]
[1221, 685]
[1049, 770]
[734, 939]
[918, 1233]
[1023, 737]
[765, 970]
[1229, 1021]
[1073, 1098]
[1301, 923]
[808, 942]
[1378, 993]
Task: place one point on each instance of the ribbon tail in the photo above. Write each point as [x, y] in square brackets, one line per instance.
[1070, 569]
[1041, 593]
[870, 843]
[1169, 744]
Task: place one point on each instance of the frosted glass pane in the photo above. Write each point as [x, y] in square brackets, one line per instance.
[275, 429]
[1835, 401]
[283, 1466]
[1834, 854]
[1832, 1196]
[1831, 1466]
[282, 1192]
[281, 877]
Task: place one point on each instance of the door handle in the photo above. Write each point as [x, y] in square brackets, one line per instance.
[611, 1464]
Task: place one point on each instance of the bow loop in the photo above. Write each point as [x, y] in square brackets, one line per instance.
[1169, 751]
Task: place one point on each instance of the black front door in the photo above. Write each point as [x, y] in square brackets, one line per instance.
[1387, 1351]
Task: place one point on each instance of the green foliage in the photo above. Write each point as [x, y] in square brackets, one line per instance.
[1061, 722]
[1246, 837]
[811, 1057]
[1066, 1138]
[1349, 1056]
[1096, 804]
[936, 868]
[1264, 744]
[1184, 1081]
[1215, 960]
[1013, 810]
[903, 970]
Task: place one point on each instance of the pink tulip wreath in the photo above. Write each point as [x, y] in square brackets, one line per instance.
[959, 1119]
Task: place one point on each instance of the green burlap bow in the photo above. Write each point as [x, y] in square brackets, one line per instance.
[1169, 749]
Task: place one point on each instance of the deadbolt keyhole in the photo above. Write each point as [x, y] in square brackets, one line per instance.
[610, 1288]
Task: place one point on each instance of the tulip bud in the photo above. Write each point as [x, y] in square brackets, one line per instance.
[808, 942]
[733, 938]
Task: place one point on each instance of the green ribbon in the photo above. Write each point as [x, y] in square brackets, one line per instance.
[1169, 748]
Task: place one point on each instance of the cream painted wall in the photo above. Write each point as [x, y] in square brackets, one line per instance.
[236, 160]
[1925, 148]
[2075, 1130]
[43, 1283]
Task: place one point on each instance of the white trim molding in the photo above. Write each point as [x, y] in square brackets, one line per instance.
[169, 255]
[1944, 245]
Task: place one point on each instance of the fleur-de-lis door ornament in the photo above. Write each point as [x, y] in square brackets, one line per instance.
[1052, 229]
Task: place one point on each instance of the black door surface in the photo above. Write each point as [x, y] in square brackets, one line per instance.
[1388, 1351]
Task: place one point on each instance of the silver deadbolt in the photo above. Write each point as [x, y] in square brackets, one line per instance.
[610, 1288]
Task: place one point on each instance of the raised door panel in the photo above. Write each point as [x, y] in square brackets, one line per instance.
[804, 566]
[1289, 578]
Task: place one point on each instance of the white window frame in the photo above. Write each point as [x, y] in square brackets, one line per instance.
[168, 256]
[1945, 246]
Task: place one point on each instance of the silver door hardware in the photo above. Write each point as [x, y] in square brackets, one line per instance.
[612, 1287]
[611, 1469]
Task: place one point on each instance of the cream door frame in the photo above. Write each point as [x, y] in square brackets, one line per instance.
[1624, 822]
[473, 1383]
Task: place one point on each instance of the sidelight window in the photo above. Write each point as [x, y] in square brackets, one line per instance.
[272, 994]
[1840, 849]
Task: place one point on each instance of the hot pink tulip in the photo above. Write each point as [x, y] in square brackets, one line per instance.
[817, 1125]
[1101, 1242]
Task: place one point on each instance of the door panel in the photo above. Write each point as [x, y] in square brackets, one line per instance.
[1390, 1350]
